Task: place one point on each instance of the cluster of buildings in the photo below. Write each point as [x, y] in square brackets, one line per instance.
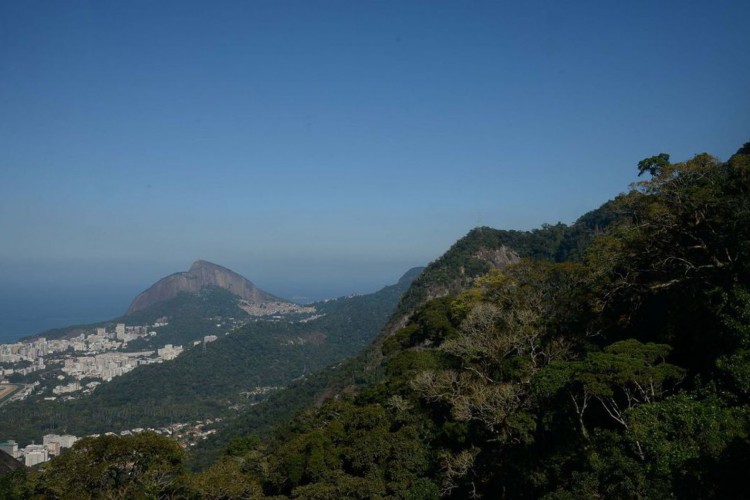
[258, 392]
[168, 352]
[206, 339]
[33, 454]
[274, 308]
[98, 340]
[108, 365]
[94, 354]
[29, 357]
[187, 434]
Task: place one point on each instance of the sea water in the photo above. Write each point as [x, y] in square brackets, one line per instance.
[25, 312]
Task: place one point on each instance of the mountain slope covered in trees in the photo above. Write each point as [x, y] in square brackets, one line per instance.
[621, 374]
[619, 368]
[471, 257]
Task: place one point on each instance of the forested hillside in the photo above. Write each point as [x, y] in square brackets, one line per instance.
[611, 361]
[208, 381]
[485, 248]
[473, 256]
[622, 374]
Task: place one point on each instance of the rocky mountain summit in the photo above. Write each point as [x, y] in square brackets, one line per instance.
[203, 274]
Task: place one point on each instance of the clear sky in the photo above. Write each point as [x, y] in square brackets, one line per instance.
[324, 147]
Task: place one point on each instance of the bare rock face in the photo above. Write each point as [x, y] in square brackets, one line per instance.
[200, 275]
[498, 258]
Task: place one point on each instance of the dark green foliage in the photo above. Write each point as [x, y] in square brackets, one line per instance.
[624, 374]
[611, 362]
[682, 436]
[653, 165]
[16, 485]
[342, 314]
[431, 323]
[471, 256]
[281, 406]
[225, 480]
[365, 450]
[140, 466]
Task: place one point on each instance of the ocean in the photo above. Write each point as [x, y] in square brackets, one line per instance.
[32, 309]
[25, 312]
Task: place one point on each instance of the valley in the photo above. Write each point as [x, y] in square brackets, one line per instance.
[380, 250]
[196, 356]
[591, 348]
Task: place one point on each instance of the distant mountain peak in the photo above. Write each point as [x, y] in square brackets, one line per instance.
[411, 275]
[200, 275]
[204, 264]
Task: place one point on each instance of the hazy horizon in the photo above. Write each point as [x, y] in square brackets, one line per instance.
[37, 305]
[324, 148]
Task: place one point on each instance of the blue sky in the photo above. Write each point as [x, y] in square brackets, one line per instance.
[324, 147]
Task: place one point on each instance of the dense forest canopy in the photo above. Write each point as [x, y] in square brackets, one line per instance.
[618, 370]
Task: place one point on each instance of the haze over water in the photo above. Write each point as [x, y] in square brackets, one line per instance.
[324, 148]
[33, 308]
[28, 312]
